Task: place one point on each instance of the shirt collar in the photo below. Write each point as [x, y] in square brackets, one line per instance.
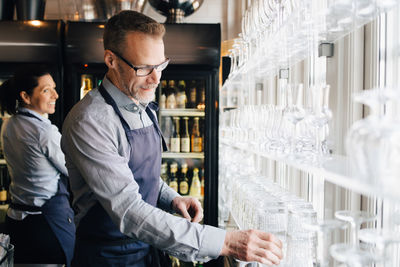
[34, 113]
[122, 100]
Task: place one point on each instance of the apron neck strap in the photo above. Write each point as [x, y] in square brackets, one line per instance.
[27, 114]
[152, 105]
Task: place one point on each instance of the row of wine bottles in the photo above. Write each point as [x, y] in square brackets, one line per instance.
[182, 96]
[178, 138]
[181, 181]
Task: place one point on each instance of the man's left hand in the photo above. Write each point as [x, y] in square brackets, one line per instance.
[189, 207]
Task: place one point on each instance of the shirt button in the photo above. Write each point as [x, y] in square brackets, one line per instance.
[69, 220]
[135, 108]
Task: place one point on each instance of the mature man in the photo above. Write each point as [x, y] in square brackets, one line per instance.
[113, 146]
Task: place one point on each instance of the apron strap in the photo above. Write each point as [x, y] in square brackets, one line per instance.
[154, 106]
[23, 207]
[109, 100]
[27, 114]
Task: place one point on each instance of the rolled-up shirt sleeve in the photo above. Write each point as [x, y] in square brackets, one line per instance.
[92, 144]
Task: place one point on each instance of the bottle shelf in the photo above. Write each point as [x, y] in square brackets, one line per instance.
[191, 155]
[3, 161]
[182, 112]
[335, 169]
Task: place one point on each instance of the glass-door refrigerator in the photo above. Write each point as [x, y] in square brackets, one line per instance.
[188, 114]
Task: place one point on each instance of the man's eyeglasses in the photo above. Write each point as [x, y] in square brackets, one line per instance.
[147, 70]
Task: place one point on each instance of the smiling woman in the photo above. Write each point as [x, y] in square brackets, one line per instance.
[39, 196]
[44, 96]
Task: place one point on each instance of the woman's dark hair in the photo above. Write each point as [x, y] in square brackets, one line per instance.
[25, 79]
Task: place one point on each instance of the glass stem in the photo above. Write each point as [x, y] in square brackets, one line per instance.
[293, 141]
[318, 146]
[355, 227]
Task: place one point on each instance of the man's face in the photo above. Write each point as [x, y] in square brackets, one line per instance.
[141, 50]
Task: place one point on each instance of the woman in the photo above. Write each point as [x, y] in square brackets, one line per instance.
[40, 219]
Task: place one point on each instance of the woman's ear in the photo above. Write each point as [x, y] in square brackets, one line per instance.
[25, 97]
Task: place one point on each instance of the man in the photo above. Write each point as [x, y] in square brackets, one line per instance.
[112, 145]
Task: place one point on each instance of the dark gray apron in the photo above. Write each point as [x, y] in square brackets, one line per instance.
[57, 212]
[99, 241]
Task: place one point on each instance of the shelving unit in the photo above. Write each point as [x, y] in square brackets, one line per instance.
[182, 112]
[191, 155]
[335, 169]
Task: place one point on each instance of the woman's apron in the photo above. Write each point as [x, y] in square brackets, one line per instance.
[57, 212]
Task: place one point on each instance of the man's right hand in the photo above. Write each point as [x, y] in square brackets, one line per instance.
[253, 245]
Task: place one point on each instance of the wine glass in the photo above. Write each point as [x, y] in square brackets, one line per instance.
[383, 239]
[351, 254]
[319, 118]
[324, 229]
[294, 112]
[373, 143]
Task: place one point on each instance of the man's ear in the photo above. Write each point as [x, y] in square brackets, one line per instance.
[109, 59]
[25, 97]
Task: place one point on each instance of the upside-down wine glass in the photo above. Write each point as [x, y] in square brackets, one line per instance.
[351, 254]
[324, 231]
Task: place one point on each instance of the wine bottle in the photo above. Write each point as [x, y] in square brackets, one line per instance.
[202, 103]
[86, 84]
[195, 187]
[164, 172]
[173, 181]
[185, 139]
[184, 182]
[196, 138]
[175, 137]
[181, 98]
[171, 95]
[192, 95]
[3, 191]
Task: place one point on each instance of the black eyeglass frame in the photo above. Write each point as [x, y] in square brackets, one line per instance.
[151, 68]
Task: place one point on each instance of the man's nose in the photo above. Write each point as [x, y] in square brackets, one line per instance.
[155, 76]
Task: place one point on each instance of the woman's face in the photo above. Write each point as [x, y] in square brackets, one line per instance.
[44, 96]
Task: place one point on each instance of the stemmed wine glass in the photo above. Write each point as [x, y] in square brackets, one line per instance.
[374, 141]
[351, 254]
[320, 117]
[294, 112]
[382, 239]
[324, 229]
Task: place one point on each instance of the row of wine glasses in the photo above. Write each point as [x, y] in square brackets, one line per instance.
[289, 129]
[278, 33]
[256, 201]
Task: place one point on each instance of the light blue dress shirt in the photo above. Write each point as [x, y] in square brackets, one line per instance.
[97, 154]
[34, 159]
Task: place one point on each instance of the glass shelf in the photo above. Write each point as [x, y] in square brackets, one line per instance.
[325, 29]
[335, 170]
[182, 112]
[191, 155]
